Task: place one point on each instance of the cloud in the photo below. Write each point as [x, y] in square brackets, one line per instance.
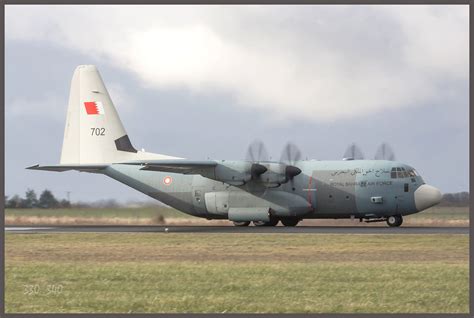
[302, 62]
[47, 106]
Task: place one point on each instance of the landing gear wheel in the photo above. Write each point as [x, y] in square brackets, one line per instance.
[394, 220]
[289, 222]
[272, 222]
[241, 223]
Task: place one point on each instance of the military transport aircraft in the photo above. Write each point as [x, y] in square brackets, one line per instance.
[254, 190]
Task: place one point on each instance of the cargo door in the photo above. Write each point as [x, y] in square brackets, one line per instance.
[399, 203]
[198, 199]
[323, 200]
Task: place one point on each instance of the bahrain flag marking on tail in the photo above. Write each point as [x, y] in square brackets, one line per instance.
[94, 108]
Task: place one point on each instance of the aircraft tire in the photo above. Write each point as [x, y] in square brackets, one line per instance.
[290, 222]
[394, 220]
[241, 223]
[272, 222]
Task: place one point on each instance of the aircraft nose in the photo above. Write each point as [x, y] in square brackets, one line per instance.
[426, 196]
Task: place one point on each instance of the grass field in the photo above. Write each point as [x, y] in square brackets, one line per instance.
[149, 272]
[439, 216]
[134, 213]
[443, 212]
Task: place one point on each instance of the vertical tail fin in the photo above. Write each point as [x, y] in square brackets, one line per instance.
[94, 133]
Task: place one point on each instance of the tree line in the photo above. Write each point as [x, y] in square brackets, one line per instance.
[46, 200]
[455, 199]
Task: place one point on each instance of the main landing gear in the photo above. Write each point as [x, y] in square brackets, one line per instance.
[290, 222]
[394, 220]
[272, 222]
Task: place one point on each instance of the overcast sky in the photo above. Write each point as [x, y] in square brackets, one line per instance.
[205, 81]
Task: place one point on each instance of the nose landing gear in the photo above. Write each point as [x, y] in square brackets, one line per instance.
[241, 223]
[394, 220]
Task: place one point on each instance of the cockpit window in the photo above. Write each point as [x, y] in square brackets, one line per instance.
[393, 173]
[405, 173]
[400, 172]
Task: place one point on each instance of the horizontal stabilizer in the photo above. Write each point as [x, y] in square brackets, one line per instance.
[61, 168]
[175, 166]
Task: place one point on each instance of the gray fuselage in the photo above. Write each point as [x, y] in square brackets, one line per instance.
[324, 189]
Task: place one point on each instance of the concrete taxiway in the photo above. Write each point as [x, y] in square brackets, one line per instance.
[232, 229]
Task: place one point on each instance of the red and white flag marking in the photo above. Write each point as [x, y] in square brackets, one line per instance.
[94, 108]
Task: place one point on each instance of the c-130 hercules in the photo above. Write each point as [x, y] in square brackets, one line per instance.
[254, 190]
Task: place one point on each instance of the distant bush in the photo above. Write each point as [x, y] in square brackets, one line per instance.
[158, 219]
[47, 200]
[455, 199]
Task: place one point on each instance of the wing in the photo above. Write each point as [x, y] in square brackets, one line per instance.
[61, 168]
[176, 166]
[204, 168]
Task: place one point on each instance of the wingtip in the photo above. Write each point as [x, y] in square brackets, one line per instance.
[33, 167]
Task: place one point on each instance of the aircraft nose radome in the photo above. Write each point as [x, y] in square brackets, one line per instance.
[426, 196]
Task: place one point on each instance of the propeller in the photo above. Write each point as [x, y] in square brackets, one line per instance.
[353, 152]
[257, 153]
[290, 155]
[384, 152]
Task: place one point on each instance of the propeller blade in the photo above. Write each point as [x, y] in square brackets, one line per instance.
[353, 152]
[385, 152]
[256, 152]
[291, 154]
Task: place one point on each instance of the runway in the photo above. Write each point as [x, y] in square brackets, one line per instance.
[233, 229]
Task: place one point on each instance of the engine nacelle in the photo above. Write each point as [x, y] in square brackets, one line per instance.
[278, 173]
[235, 172]
[231, 172]
[240, 172]
[274, 176]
